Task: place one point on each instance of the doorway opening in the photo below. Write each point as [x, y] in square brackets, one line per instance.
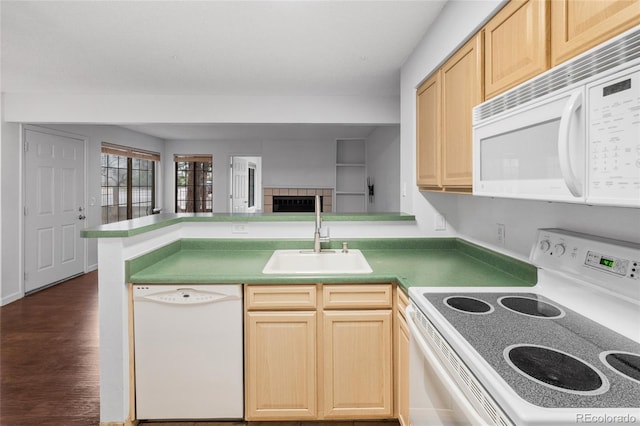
[245, 192]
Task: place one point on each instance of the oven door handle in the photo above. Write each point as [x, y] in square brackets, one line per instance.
[463, 403]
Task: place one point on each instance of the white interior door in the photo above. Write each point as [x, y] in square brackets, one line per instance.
[54, 208]
[239, 184]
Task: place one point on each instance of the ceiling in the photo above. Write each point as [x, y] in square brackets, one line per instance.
[331, 47]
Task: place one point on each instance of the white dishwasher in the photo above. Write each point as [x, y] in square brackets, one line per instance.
[188, 351]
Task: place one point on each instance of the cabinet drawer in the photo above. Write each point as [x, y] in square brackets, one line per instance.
[358, 296]
[280, 297]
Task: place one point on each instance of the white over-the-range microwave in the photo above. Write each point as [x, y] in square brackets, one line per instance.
[571, 134]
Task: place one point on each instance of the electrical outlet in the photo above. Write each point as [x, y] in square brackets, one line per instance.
[440, 222]
[239, 228]
[500, 233]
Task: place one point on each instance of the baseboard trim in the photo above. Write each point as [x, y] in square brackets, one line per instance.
[128, 422]
[11, 298]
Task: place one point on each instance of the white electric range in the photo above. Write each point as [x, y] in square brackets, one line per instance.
[565, 351]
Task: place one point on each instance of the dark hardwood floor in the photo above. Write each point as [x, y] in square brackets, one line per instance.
[49, 372]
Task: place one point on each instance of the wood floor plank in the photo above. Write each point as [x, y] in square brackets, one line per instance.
[49, 367]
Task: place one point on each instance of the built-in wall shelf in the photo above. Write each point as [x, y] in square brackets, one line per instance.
[351, 171]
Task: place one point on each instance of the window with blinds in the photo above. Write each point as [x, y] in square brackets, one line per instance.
[128, 182]
[194, 183]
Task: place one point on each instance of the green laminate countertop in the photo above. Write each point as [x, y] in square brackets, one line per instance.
[407, 261]
[129, 228]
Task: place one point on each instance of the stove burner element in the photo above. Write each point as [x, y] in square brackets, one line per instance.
[468, 305]
[555, 369]
[531, 307]
[624, 363]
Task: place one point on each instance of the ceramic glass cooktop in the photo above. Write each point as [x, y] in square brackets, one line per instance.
[551, 356]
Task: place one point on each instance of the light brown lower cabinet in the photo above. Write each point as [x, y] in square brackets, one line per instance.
[358, 376]
[281, 365]
[330, 361]
[402, 339]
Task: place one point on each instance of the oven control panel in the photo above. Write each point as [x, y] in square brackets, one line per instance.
[608, 263]
[613, 264]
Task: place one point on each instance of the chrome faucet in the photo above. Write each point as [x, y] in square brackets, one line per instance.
[317, 238]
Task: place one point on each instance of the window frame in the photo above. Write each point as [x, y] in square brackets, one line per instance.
[130, 154]
[196, 162]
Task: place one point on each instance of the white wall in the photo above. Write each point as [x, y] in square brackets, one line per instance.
[476, 217]
[285, 163]
[133, 108]
[10, 284]
[301, 164]
[383, 165]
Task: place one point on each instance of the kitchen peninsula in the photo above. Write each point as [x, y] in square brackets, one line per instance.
[223, 248]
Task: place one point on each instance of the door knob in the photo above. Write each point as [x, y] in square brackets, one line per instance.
[82, 217]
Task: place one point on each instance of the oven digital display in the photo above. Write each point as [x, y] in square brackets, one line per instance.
[606, 262]
[617, 87]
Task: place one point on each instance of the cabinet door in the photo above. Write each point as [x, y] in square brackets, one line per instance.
[280, 365]
[428, 148]
[401, 359]
[516, 46]
[403, 370]
[578, 25]
[357, 364]
[462, 89]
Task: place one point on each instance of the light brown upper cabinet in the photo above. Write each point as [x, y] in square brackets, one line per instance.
[524, 39]
[462, 89]
[578, 25]
[444, 118]
[516, 45]
[428, 151]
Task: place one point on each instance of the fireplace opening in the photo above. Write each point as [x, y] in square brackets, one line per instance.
[295, 203]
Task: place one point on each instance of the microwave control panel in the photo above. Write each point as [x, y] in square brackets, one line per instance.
[613, 172]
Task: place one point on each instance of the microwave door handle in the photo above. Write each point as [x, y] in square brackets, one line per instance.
[564, 144]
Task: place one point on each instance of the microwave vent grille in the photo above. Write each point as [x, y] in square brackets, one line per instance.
[608, 55]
